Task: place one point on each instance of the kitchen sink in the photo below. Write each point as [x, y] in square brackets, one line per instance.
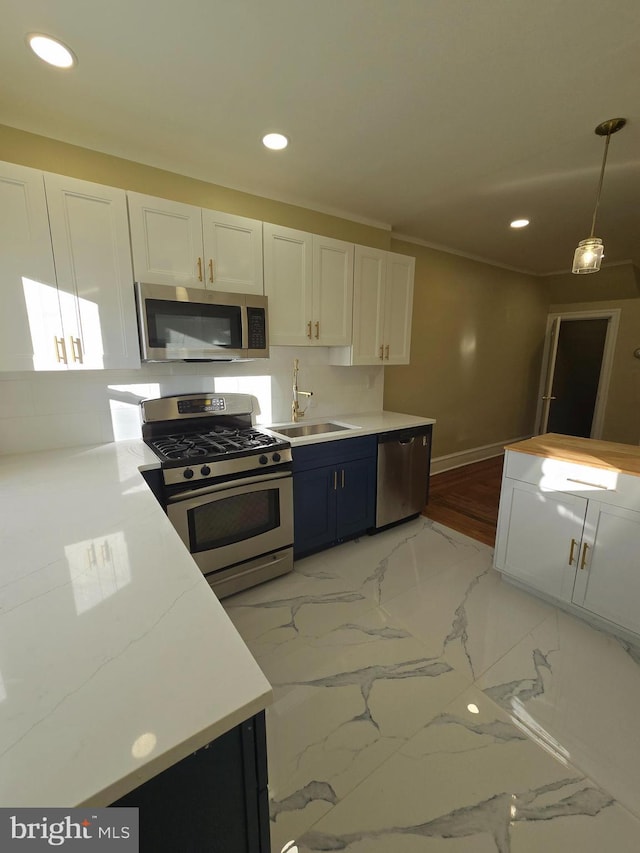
[309, 429]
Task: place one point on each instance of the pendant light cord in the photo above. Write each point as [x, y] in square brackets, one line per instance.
[604, 162]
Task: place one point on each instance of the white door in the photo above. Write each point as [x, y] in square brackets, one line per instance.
[538, 537]
[232, 252]
[90, 236]
[547, 387]
[608, 578]
[398, 310]
[31, 335]
[288, 280]
[332, 291]
[370, 271]
[166, 241]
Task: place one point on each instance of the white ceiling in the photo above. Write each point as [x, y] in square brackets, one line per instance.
[441, 119]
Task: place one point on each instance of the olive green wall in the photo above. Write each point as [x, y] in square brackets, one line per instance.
[613, 287]
[50, 155]
[476, 350]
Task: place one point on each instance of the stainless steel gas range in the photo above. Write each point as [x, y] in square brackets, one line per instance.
[226, 486]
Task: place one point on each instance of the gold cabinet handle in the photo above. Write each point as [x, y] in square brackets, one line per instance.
[342, 478]
[583, 561]
[61, 350]
[76, 349]
[309, 329]
[381, 351]
[549, 398]
[317, 330]
[335, 481]
[211, 270]
[199, 269]
[386, 352]
[573, 548]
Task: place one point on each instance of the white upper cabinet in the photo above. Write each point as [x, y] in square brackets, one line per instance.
[30, 322]
[332, 291]
[166, 241]
[288, 284]
[398, 308]
[67, 279]
[90, 237]
[382, 309]
[369, 291]
[233, 252]
[179, 244]
[309, 282]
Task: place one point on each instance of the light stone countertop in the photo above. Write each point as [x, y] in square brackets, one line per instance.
[116, 658]
[369, 423]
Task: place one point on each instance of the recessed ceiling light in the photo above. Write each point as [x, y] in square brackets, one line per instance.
[519, 223]
[51, 50]
[275, 141]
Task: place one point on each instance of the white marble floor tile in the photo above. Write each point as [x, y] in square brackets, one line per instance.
[341, 711]
[577, 691]
[473, 782]
[376, 648]
[395, 560]
[467, 614]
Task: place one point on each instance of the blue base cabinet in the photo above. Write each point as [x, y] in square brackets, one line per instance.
[214, 800]
[334, 492]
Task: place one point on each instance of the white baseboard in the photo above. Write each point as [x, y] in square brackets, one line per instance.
[466, 457]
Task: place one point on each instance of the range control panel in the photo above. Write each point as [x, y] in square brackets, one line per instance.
[198, 406]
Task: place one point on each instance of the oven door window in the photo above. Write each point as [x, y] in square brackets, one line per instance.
[233, 519]
[184, 325]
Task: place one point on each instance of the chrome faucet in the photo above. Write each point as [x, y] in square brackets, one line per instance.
[296, 413]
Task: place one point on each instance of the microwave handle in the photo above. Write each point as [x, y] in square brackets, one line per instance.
[228, 484]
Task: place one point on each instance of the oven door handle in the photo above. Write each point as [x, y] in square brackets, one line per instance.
[229, 484]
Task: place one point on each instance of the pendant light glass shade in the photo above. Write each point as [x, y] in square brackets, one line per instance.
[588, 256]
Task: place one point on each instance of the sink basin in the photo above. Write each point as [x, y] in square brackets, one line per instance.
[309, 429]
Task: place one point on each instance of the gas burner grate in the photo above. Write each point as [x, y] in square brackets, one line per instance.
[216, 442]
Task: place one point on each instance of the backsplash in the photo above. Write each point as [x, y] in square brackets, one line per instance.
[39, 411]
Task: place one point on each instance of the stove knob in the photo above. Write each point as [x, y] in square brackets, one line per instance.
[276, 457]
[263, 460]
[205, 470]
[187, 473]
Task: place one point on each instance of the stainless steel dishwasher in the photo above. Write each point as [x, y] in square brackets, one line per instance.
[404, 459]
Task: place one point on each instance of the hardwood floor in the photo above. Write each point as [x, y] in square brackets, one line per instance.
[466, 499]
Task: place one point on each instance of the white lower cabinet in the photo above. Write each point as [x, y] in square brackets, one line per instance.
[65, 268]
[574, 548]
[534, 538]
[608, 576]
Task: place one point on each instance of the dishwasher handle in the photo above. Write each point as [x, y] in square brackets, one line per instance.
[405, 436]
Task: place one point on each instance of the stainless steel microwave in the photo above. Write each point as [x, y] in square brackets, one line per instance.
[188, 324]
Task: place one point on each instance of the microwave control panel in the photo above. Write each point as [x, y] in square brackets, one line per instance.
[257, 331]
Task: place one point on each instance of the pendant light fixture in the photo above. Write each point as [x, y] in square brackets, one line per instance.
[588, 255]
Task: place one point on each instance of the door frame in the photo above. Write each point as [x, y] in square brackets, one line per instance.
[613, 317]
